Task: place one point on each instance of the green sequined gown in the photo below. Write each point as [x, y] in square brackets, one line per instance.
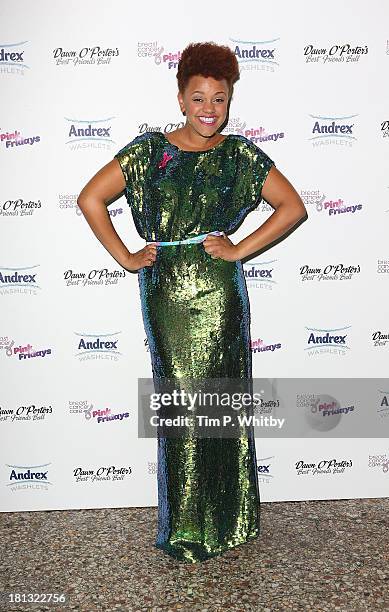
[197, 320]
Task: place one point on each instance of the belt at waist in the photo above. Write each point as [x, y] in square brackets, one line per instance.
[194, 239]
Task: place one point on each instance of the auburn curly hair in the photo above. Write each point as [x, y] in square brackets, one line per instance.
[209, 60]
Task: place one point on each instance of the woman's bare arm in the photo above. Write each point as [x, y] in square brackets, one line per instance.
[104, 186]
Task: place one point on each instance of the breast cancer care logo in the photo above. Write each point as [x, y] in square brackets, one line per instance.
[161, 56]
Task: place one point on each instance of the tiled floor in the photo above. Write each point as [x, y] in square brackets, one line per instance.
[319, 556]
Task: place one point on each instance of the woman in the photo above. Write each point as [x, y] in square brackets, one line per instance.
[187, 190]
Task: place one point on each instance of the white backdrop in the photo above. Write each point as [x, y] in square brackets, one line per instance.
[67, 69]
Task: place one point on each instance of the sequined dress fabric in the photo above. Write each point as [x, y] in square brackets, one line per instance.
[196, 316]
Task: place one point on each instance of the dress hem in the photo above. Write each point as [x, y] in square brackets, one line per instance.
[181, 555]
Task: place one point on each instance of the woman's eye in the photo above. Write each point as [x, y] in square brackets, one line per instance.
[200, 99]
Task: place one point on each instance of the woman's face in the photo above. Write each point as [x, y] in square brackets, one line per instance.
[205, 103]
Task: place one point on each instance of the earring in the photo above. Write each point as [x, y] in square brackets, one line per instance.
[183, 112]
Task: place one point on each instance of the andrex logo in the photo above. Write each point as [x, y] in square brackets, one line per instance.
[383, 405]
[12, 58]
[256, 55]
[87, 133]
[327, 341]
[98, 346]
[259, 274]
[333, 130]
[33, 475]
[264, 467]
[18, 278]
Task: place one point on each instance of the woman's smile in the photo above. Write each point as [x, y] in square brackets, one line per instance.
[207, 120]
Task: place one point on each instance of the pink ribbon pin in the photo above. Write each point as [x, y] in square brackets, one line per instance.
[164, 160]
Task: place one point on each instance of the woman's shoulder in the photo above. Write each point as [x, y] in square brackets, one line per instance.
[242, 141]
[144, 138]
[248, 148]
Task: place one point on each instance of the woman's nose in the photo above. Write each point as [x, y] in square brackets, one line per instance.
[208, 106]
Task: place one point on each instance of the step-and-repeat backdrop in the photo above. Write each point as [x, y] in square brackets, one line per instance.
[81, 80]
